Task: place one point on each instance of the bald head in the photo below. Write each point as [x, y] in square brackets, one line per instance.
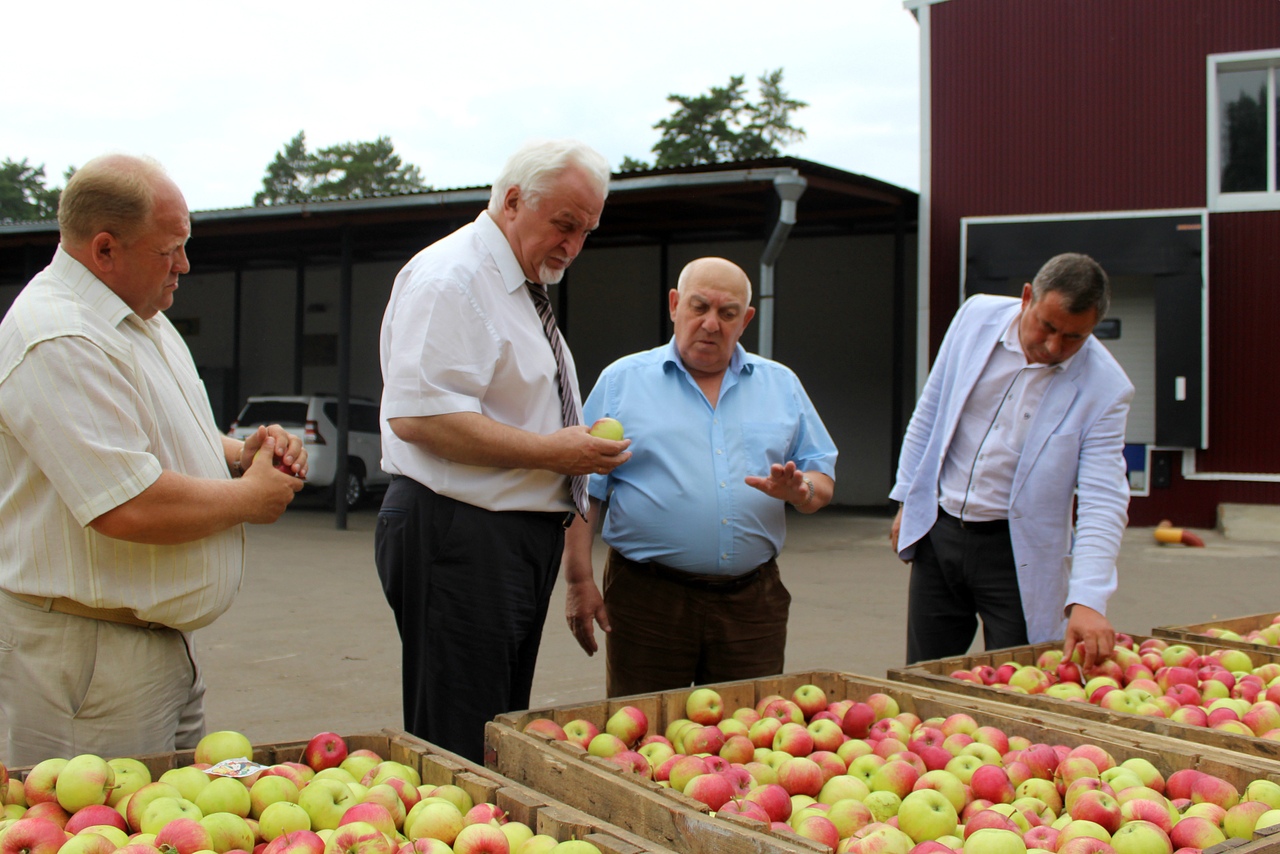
[114, 193]
[717, 274]
[710, 308]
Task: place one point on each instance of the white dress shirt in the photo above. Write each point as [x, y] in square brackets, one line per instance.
[461, 334]
[977, 473]
[94, 403]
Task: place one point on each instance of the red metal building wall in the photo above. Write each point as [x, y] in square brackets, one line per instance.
[1061, 106]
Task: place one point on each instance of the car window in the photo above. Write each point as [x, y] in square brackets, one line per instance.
[291, 413]
[364, 416]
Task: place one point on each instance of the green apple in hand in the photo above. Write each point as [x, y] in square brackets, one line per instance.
[607, 428]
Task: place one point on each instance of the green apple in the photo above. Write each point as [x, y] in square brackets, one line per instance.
[85, 779]
[117, 836]
[42, 781]
[188, 780]
[224, 744]
[269, 790]
[434, 820]
[883, 804]
[161, 811]
[607, 428]
[224, 794]
[131, 775]
[139, 801]
[325, 801]
[704, 706]
[517, 833]
[88, 843]
[927, 814]
[229, 832]
[282, 817]
[993, 840]
[455, 795]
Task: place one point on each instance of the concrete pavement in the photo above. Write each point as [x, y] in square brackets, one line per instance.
[310, 644]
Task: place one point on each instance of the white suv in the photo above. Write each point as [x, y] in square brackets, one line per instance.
[315, 418]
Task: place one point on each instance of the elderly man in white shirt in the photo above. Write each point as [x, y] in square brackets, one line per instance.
[1023, 411]
[122, 508]
[481, 432]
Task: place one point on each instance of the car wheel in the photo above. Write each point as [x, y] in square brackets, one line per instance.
[355, 490]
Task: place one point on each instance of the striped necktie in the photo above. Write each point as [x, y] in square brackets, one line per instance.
[568, 409]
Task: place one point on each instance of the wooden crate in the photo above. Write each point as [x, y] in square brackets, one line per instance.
[598, 787]
[441, 767]
[936, 674]
[1195, 632]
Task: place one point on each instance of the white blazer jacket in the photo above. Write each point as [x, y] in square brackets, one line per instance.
[1074, 447]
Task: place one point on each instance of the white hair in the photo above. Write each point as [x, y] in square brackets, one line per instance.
[538, 163]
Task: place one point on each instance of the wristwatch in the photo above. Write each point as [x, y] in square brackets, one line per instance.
[808, 499]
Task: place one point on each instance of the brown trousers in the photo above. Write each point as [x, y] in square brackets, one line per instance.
[670, 633]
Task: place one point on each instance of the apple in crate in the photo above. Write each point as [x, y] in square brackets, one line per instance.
[325, 750]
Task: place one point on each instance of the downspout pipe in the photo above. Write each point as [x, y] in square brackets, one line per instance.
[789, 188]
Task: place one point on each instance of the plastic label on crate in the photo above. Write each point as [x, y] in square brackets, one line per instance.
[235, 768]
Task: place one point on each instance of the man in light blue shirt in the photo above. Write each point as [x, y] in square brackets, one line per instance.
[722, 440]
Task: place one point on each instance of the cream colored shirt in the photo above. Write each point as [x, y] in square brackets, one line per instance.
[94, 403]
[977, 474]
[461, 334]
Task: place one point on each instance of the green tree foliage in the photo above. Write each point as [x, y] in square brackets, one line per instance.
[722, 125]
[23, 193]
[349, 170]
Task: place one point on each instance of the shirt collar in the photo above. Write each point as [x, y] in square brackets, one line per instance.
[1012, 342]
[91, 290]
[738, 362]
[496, 242]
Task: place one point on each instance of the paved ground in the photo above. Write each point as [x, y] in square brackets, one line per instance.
[310, 644]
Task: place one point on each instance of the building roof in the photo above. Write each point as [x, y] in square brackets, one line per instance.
[724, 201]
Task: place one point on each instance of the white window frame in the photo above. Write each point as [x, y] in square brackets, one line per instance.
[1244, 61]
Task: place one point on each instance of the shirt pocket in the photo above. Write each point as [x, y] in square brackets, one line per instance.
[766, 443]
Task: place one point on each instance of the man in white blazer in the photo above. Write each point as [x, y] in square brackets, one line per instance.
[1023, 415]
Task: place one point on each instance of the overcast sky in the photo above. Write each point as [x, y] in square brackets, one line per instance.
[214, 90]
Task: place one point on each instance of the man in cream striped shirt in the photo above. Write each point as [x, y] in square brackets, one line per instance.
[122, 507]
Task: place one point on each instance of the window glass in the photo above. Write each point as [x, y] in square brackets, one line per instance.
[286, 413]
[1242, 123]
[364, 416]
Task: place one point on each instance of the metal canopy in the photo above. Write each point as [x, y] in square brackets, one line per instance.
[714, 202]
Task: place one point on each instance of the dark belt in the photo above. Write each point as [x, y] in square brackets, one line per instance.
[993, 526]
[124, 616]
[563, 520]
[698, 581]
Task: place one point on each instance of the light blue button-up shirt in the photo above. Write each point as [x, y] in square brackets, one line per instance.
[681, 499]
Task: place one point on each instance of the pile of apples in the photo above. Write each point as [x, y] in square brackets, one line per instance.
[867, 778]
[335, 801]
[1268, 635]
[1219, 689]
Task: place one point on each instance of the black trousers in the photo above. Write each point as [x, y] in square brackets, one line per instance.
[469, 589]
[961, 572]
